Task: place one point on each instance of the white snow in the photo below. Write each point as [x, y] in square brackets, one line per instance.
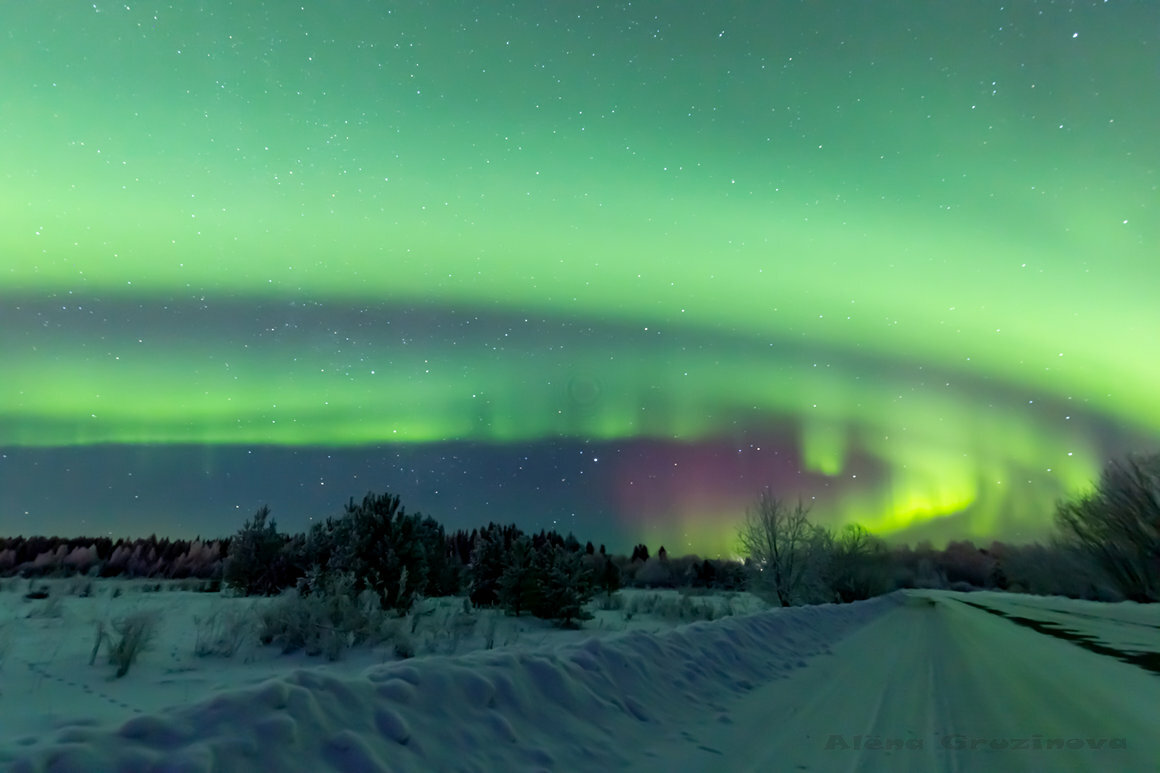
[912, 681]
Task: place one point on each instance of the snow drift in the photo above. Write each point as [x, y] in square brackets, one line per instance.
[579, 706]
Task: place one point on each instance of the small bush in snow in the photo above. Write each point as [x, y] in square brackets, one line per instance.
[455, 628]
[328, 620]
[685, 609]
[611, 602]
[643, 604]
[221, 633]
[132, 634]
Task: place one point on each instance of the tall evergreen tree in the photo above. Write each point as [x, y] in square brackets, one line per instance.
[609, 578]
[253, 562]
[521, 586]
[487, 566]
[567, 587]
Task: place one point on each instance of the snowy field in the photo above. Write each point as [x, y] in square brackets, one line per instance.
[1130, 628]
[913, 681]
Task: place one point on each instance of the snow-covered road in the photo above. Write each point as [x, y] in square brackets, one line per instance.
[913, 681]
[936, 685]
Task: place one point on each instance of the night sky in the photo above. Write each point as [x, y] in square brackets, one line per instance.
[604, 268]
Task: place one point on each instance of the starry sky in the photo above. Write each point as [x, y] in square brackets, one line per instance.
[609, 268]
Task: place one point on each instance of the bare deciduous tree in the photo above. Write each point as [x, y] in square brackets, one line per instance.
[1117, 526]
[784, 548]
[859, 565]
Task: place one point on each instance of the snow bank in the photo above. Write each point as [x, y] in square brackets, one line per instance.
[575, 706]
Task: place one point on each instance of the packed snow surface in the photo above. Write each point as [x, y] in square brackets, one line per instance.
[915, 681]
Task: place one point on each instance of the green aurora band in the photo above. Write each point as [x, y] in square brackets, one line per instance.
[926, 238]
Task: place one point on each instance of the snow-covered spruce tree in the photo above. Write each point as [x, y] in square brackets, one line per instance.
[383, 544]
[375, 540]
[520, 587]
[609, 577]
[567, 587]
[325, 622]
[487, 566]
[259, 561]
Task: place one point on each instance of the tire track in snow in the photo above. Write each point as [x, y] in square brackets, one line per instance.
[1149, 661]
[930, 686]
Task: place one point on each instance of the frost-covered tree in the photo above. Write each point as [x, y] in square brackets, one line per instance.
[859, 565]
[786, 551]
[399, 557]
[567, 587]
[487, 566]
[609, 577]
[521, 585]
[253, 564]
[655, 573]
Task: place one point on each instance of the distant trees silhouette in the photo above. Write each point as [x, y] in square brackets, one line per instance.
[1107, 547]
[40, 556]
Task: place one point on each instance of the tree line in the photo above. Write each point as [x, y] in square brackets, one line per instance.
[1106, 547]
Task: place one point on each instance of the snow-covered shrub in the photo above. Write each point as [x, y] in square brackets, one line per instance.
[328, 620]
[640, 604]
[610, 602]
[655, 573]
[675, 609]
[132, 634]
[222, 632]
[457, 627]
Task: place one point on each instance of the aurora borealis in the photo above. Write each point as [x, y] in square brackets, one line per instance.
[608, 268]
